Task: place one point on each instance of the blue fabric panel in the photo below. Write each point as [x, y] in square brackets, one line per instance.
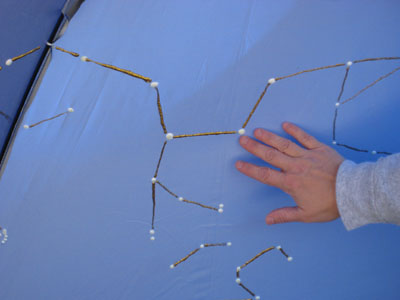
[76, 192]
[25, 25]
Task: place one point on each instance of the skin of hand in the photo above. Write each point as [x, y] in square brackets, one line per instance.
[307, 173]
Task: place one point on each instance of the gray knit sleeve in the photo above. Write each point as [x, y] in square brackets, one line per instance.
[369, 192]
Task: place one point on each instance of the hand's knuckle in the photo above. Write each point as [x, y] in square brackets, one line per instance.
[264, 174]
[284, 145]
[269, 155]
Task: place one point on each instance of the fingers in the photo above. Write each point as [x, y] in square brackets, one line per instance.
[268, 154]
[279, 143]
[300, 135]
[262, 174]
[284, 215]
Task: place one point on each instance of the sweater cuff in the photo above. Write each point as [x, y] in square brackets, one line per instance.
[355, 194]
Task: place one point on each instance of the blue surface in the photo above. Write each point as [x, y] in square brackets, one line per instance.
[25, 25]
[76, 192]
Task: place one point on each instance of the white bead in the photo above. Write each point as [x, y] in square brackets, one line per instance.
[238, 269]
[3, 242]
[70, 109]
[241, 131]
[154, 84]
[229, 244]
[220, 210]
[349, 64]
[169, 136]
[152, 231]
[171, 266]
[237, 280]
[153, 180]
[202, 246]
[152, 238]
[334, 142]
[26, 126]
[257, 298]
[221, 206]
[337, 104]
[9, 62]
[278, 247]
[290, 258]
[373, 152]
[84, 58]
[271, 81]
[180, 199]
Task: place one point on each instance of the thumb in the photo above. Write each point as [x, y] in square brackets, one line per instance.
[284, 215]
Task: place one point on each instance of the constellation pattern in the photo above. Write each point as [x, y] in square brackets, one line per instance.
[241, 131]
[202, 246]
[238, 269]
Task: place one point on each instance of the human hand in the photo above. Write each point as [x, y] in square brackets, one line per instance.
[307, 174]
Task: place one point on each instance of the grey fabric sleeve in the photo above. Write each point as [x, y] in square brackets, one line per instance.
[369, 192]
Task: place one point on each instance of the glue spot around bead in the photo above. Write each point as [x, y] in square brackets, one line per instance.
[349, 64]
[169, 136]
[171, 266]
[238, 280]
[9, 62]
[70, 109]
[238, 269]
[180, 199]
[153, 180]
[278, 247]
[84, 58]
[26, 126]
[337, 104]
[154, 84]
[241, 131]
[290, 258]
[271, 81]
[202, 246]
[220, 210]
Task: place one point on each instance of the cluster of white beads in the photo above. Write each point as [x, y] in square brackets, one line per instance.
[4, 233]
[221, 208]
[152, 237]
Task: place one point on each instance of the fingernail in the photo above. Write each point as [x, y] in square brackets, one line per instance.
[239, 164]
[244, 140]
[270, 220]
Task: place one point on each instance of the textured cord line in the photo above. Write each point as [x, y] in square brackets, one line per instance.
[49, 119]
[238, 269]
[352, 148]
[25, 54]
[160, 112]
[338, 103]
[153, 190]
[197, 250]
[159, 160]
[5, 115]
[204, 134]
[370, 85]
[375, 59]
[127, 72]
[74, 54]
[256, 105]
[185, 200]
[309, 70]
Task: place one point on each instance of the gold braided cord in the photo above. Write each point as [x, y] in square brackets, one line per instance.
[375, 59]
[310, 70]
[255, 257]
[186, 257]
[127, 72]
[370, 85]
[159, 160]
[25, 54]
[160, 112]
[255, 106]
[49, 119]
[203, 134]
[199, 204]
[74, 54]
